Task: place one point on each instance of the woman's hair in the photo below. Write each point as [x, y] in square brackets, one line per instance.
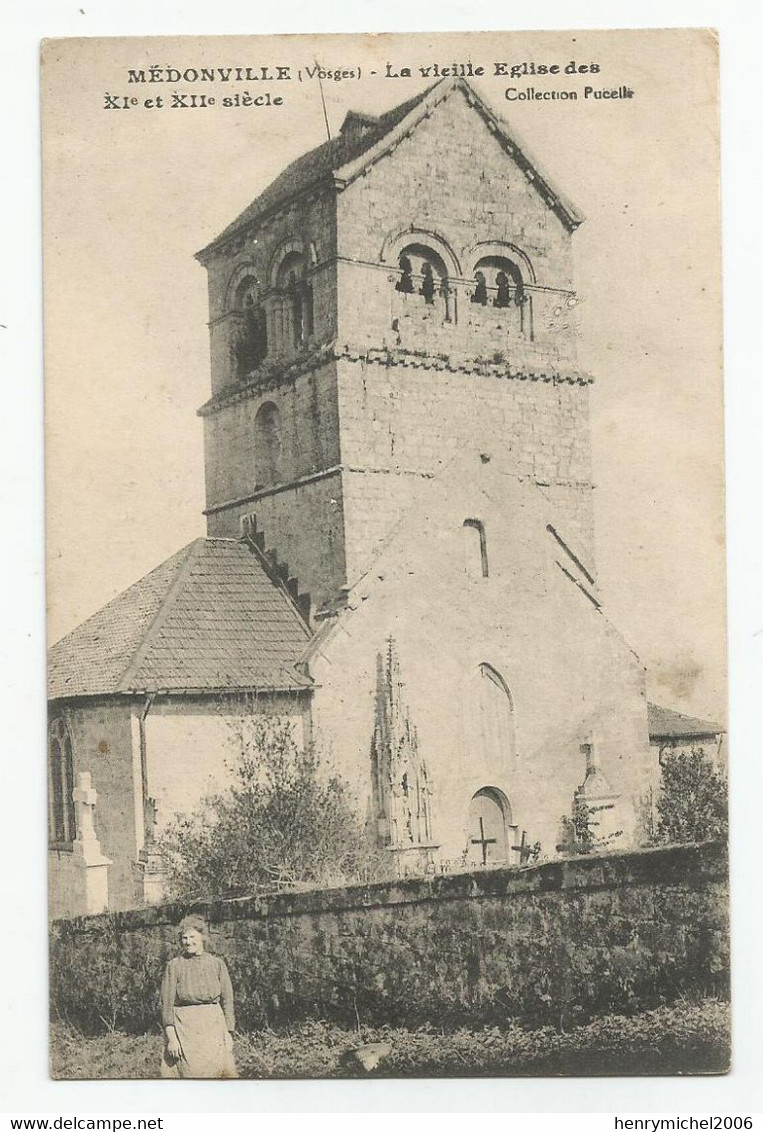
[193, 923]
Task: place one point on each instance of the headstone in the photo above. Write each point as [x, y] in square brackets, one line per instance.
[86, 850]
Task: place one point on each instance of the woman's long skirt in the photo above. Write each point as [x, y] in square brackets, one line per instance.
[206, 1045]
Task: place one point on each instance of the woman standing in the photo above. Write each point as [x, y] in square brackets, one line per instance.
[197, 1009]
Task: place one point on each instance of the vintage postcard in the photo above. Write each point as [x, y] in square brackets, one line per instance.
[385, 556]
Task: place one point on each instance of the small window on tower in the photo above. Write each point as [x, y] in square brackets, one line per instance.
[405, 282]
[267, 445]
[475, 549]
[422, 272]
[251, 341]
[498, 281]
[295, 300]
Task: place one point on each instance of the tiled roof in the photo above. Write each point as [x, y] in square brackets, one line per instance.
[360, 134]
[667, 724]
[313, 166]
[208, 619]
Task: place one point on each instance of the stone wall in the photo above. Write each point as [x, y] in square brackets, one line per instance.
[402, 416]
[555, 942]
[570, 675]
[308, 435]
[103, 744]
[414, 380]
[193, 744]
[306, 225]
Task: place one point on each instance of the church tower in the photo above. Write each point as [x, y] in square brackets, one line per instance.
[399, 293]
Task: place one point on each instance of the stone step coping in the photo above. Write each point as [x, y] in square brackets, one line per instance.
[689, 866]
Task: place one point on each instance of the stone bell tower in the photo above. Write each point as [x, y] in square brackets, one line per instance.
[394, 298]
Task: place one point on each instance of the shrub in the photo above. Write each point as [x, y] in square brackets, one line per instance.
[285, 821]
[693, 802]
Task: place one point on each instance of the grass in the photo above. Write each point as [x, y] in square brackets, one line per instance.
[686, 1038]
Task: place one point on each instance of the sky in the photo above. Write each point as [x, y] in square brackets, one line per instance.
[131, 194]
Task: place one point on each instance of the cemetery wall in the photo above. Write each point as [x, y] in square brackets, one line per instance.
[556, 942]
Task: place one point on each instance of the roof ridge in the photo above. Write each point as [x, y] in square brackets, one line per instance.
[424, 104]
[159, 617]
[322, 164]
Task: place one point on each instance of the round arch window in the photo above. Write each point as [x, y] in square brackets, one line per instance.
[498, 282]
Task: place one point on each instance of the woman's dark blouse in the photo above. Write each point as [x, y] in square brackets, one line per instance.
[196, 980]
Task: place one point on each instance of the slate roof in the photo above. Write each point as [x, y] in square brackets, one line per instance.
[664, 723]
[319, 164]
[313, 166]
[210, 618]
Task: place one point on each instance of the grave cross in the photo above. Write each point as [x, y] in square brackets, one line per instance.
[483, 841]
[523, 849]
[85, 798]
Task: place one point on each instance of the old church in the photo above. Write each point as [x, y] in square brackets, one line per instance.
[400, 550]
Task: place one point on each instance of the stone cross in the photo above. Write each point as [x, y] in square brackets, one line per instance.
[85, 796]
[588, 752]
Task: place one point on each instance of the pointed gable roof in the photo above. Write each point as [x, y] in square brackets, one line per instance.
[208, 619]
[363, 140]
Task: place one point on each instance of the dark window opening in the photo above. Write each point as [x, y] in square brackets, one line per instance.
[498, 280]
[251, 343]
[61, 823]
[427, 283]
[267, 445]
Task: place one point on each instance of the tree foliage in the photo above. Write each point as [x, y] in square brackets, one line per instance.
[693, 802]
[285, 821]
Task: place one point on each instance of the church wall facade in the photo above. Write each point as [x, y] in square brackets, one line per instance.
[430, 376]
[192, 744]
[102, 744]
[306, 227]
[300, 513]
[307, 441]
[431, 186]
[402, 424]
[570, 677]
[189, 745]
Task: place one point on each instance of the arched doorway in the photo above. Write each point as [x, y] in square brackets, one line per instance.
[489, 827]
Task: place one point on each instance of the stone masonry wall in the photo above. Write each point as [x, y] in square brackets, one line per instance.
[304, 525]
[404, 418]
[451, 179]
[103, 744]
[308, 224]
[309, 434]
[554, 942]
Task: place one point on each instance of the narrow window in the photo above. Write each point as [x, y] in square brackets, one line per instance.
[475, 549]
[267, 445]
[292, 303]
[61, 825]
[251, 335]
